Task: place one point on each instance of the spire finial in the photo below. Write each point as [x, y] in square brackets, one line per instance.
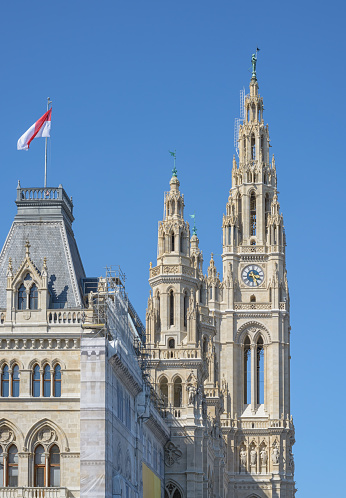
[27, 248]
[194, 230]
[254, 62]
[174, 170]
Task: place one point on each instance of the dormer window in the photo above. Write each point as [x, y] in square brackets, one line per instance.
[22, 297]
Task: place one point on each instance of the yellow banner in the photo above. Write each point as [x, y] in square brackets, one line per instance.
[151, 483]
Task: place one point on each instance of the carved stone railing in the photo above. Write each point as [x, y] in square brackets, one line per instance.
[173, 270]
[211, 392]
[252, 306]
[25, 492]
[173, 411]
[174, 354]
[55, 316]
[283, 306]
[252, 249]
[43, 194]
[257, 424]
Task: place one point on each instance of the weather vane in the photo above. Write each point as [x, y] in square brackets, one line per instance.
[174, 155]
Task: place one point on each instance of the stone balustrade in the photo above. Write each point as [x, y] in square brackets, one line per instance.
[175, 354]
[173, 270]
[257, 424]
[26, 492]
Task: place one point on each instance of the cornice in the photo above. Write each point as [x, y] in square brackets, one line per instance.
[125, 375]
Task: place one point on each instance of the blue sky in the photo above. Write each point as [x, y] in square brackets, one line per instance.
[130, 80]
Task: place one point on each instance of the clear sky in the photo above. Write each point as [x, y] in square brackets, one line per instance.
[130, 80]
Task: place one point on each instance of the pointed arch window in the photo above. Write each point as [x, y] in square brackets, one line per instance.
[39, 467]
[15, 381]
[178, 392]
[5, 382]
[22, 297]
[247, 371]
[54, 466]
[253, 214]
[33, 298]
[164, 391]
[46, 381]
[172, 242]
[12, 467]
[266, 210]
[181, 242]
[36, 381]
[57, 381]
[260, 371]
[172, 491]
[186, 305]
[171, 307]
[253, 147]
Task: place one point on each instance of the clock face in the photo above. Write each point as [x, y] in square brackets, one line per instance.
[252, 275]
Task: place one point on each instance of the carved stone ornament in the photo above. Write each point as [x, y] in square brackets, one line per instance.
[46, 435]
[6, 435]
[172, 454]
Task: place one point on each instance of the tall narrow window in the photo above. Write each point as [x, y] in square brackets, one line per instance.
[5, 381]
[12, 467]
[266, 210]
[15, 381]
[54, 467]
[247, 372]
[181, 242]
[164, 391]
[21, 298]
[172, 242]
[260, 371]
[186, 305]
[178, 391]
[253, 214]
[39, 467]
[171, 308]
[36, 382]
[262, 147]
[57, 381]
[253, 147]
[239, 209]
[1, 467]
[46, 381]
[33, 298]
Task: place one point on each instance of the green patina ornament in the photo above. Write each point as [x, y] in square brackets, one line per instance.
[254, 62]
[174, 170]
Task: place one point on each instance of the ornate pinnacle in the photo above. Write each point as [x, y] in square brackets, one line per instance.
[27, 249]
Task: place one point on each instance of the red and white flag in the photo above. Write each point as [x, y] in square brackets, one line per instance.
[39, 129]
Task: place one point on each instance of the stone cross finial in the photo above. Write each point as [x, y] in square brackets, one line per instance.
[27, 248]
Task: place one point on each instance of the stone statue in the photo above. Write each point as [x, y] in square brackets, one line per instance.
[192, 393]
[275, 456]
[254, 62]
[264, 456]
[243, 457]
[253, 456]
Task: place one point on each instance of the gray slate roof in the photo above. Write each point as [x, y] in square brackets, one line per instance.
[46, 223]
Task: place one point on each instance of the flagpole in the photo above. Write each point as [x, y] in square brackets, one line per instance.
[46, 149]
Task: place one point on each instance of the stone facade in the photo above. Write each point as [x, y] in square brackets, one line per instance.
[220, 347]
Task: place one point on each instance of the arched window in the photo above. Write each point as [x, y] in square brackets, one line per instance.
[21, 298]
[253, 148]
[239, 209]
[33, 298]
[186, 305]
[171, 307]
[12, 467]
[36, 382]
[39, 467]
[260, 371]
[5, 381]
[164, 390]
[1, 467]
[171, 343]
[252, 298]
[172, 242]
[205, 345]
[15, 381]
[57, 381]
[201, 295]
[253, 214]
[54, 467]
[178, 391]
[181, 242]
[171, 491]
[266, 210]
[247, 371]
[46, 381]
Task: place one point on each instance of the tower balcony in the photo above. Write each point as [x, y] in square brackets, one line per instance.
[29, 492]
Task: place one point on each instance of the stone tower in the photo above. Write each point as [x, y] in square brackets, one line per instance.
[220, 348]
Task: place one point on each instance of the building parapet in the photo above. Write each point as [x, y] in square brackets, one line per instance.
[26, 492]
